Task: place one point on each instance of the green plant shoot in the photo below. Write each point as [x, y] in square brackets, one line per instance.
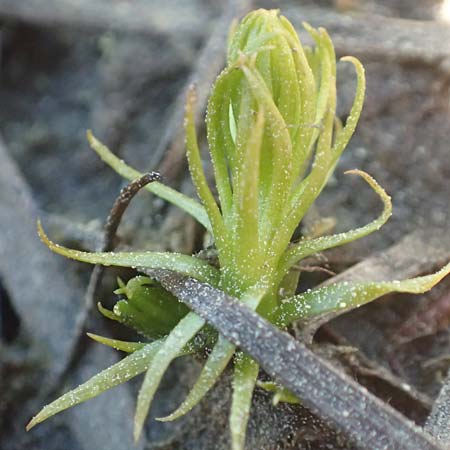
[274, 140]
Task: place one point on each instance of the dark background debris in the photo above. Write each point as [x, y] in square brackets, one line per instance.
[120, 69]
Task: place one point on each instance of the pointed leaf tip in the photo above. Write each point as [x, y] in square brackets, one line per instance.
[345, 296]
[191, 96]
[124, 346]
[185, 264]
[31, 424]
[217, 361]
[89, 135]
[118, 373]
[43, 236]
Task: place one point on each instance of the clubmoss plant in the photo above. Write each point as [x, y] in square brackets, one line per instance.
[274, 140]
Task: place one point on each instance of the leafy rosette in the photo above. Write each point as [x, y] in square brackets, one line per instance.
[274, 141]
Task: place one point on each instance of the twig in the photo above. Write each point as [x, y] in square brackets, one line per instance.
[438, 422]
[112, 223]
[333, 396]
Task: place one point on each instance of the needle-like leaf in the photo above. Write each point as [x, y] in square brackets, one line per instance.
[220, 138]
[344, 136]
[184, 264]
[217, 362]
[198, 175]
[179, 337]
[178, 199]
[281, 171]
[308, 247]
[124, 346]
[244, 381]
[120, 372]
[347, 295]
[246, 202]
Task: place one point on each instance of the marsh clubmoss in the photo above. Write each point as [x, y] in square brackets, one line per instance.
[274, 141]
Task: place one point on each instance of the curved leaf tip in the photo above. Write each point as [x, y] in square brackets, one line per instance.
[308, 247]
[185, 264]
[384, 196]
[91, 138]
[46, 240]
